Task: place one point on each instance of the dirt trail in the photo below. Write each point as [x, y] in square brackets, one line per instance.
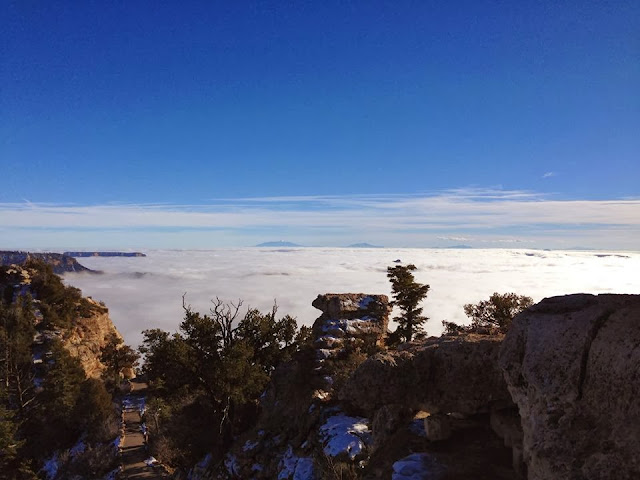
[134, 449]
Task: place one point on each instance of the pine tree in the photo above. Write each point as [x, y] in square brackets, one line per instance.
[407, 294]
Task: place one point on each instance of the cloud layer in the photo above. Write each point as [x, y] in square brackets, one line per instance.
[480, 216]
[146, 292]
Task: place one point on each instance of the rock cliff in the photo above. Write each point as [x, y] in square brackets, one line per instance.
[572, 365]
[87, 331]
[61, 263]
[88, 335]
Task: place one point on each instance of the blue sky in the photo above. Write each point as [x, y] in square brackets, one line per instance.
[272, 111]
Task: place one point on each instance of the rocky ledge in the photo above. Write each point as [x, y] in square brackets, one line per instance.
[554, 399]
[61, 263]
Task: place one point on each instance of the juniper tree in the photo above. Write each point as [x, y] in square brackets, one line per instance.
[407, 294]
[498, 311]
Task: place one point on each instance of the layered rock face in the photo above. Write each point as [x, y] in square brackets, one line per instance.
[354, 319]
[61, 263]
[572, 365]
[87, 336]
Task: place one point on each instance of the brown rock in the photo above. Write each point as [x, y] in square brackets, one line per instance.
[442, 375]
[387, 421]
[356, 318]
[572, 365]
[86, 337]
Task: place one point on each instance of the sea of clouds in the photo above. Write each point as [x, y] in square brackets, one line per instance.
[146, 292]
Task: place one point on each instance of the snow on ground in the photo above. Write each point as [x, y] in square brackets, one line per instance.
[417, 466]
[342, 434]
[198, 470]
[231, 464]
[51, 466]
[78, 448]
[131, 404]
[293, 467]
[249, 445]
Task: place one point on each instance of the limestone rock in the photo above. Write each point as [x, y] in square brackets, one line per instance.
[442, 375]
[572, 365]
[387, 421]
[86, 337]
[357, 319]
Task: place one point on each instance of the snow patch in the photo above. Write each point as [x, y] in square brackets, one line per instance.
[293, 467]
[249, 445]
[323, 353]
[51, 466]
[77, 449]
[131, 404]
[417, 466]
[364, 303]
[342, 434]
[118, 441]
[231, 464]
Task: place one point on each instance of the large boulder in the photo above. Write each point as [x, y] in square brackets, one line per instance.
[441, 375]
[572, 365]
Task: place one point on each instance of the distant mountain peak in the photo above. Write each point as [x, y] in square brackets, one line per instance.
[278, 243]
[363, 245]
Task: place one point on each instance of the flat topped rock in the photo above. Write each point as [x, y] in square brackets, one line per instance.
[348, 305]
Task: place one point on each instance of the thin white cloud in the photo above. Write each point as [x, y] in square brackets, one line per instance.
[549, 174]
[454, 239]
[482, 214]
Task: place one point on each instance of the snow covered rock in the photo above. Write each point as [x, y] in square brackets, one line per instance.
[293, 467]
[349, 319]
[342, 435]
[417, 466]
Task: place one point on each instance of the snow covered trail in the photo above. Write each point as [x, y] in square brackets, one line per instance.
[136, 462]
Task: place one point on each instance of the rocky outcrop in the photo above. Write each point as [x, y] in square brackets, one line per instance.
[355, 319]
[60, 263]
[572, 365]
[104, 254]
[88, 335]
[441, 375]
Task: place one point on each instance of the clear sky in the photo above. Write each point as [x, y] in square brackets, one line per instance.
[283, 116]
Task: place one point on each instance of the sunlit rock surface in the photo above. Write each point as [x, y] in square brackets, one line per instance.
[572, 365]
